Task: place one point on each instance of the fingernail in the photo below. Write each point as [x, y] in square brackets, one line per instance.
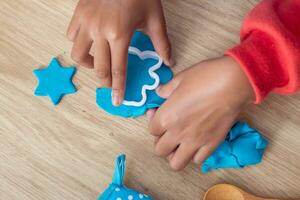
[158, 89]
[172, 61]
[150, 114]
[116, 98]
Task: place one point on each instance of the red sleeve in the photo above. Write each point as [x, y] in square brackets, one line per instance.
[269, 52]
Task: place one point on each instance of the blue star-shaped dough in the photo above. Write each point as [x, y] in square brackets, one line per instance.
[55, 81]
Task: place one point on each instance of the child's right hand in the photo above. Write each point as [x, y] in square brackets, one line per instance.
[109, 25]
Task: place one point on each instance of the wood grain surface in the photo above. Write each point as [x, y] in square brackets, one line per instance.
[68, 151]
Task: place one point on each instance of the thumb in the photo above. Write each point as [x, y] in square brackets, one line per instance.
[158, 34]
[165, 91]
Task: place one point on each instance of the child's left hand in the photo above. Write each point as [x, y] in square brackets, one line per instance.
[202, 104]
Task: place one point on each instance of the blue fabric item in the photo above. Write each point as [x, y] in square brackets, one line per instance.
[55, 81]
[116, 190]
[243, 146]
[137, 76]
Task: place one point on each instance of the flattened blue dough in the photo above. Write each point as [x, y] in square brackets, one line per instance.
[117, 190]
[55, 81]
[243, 146]
[137, 76]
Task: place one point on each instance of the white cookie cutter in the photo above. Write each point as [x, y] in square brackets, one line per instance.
[146, 55]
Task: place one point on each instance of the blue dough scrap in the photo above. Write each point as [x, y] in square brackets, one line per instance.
[243, 146]
[117, 190]
[55, 81]
[137, 76]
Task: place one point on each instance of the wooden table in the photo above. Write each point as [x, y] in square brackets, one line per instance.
[68, 151]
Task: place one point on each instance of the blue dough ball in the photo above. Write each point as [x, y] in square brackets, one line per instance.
[137, 76]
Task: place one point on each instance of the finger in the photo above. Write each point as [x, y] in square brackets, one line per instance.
[169, 158]
[150, 113]
[166, 144]
[102, 62]
[203, 153]
[166, 116]
[162, 46]
[158, 33]
[156, 140]
[206, 150]
[156, 127]
[166, 90]
[182, 156]
[81, 49]
[162, 119]
[119, 57]
[74, 25]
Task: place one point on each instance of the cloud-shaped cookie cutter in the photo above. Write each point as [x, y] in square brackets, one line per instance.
[146, 55]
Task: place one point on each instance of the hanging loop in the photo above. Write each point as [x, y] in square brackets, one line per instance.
[119, 170]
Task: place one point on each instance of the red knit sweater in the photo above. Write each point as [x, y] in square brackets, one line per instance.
[269, 52]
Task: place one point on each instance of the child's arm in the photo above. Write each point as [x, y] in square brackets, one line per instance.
[108, 25]
[269, 52]
[204, 101]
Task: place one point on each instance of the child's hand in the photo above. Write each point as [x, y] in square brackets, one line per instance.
[109, 25]
[203, 103]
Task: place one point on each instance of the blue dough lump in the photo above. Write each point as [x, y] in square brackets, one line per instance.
[55, 81]
[117, 190]
[137, 77]
[243, 146]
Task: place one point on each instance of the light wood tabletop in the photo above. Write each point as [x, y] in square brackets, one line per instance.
[68, 151]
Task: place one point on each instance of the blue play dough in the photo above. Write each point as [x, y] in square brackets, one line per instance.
[55, 81]
[117, 190]
[137, 76]
[243, 146]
